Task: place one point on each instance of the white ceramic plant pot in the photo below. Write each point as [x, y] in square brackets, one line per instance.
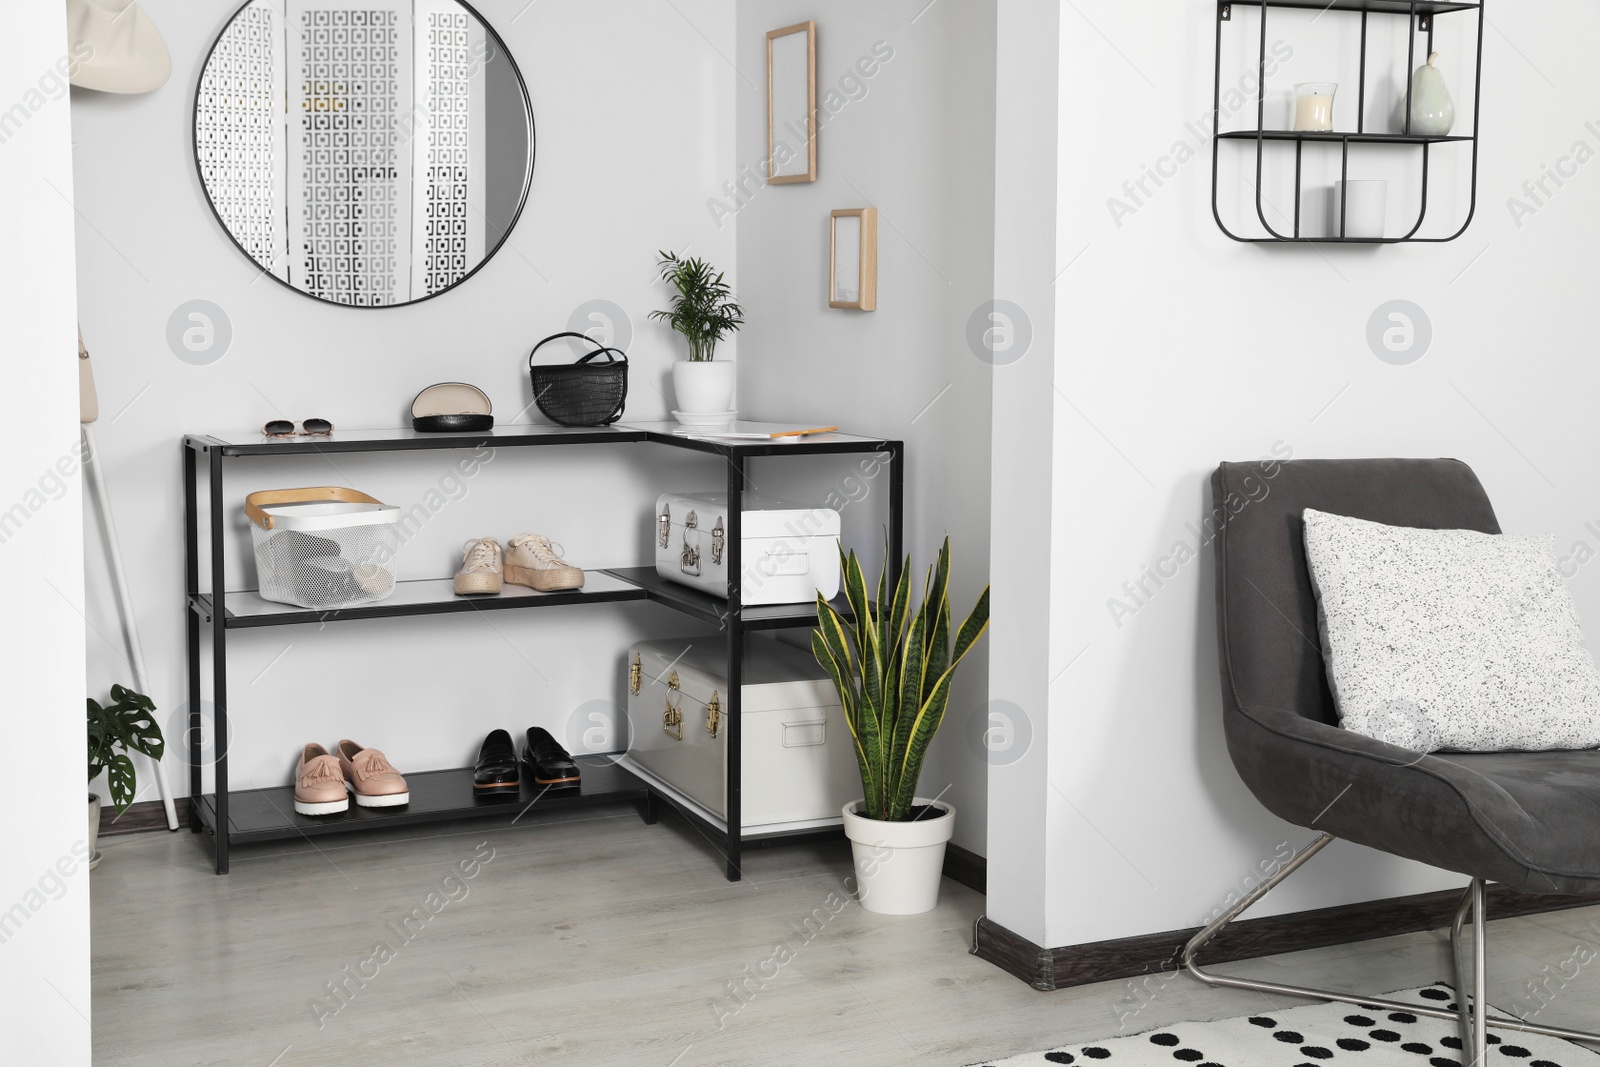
[899, 864]
[94, 831]
[704, 388]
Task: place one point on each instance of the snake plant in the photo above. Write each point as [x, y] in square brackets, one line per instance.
[126, 724]
[893, 671]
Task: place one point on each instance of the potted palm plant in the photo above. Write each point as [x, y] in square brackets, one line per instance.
[704, 312]
[893, 664]
[125, 725]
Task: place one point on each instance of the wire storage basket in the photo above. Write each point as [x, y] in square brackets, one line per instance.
[585, 393]
[323, 547]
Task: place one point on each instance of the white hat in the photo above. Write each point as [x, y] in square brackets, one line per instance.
[116, 48]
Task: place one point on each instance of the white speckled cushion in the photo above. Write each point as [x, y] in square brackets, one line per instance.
[1450, 639]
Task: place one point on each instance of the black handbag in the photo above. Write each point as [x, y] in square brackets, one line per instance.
[585, 393]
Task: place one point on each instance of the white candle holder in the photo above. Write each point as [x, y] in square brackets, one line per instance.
[1366, 209]
[1313, 106]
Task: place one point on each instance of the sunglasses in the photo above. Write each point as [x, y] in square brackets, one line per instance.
[309, 428]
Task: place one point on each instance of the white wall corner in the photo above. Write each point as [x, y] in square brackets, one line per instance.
[1023, 323]
[44, 882]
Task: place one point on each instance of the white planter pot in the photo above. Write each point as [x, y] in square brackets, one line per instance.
[94, 830]
[899, 864]
[704, 388]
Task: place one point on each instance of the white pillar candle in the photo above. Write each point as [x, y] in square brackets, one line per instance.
[1313, 106]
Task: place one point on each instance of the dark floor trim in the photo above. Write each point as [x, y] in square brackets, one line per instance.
[1130, 957]
[967, 867]
[145, 815]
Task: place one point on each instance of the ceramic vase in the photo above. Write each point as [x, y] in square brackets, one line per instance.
[1433, 113]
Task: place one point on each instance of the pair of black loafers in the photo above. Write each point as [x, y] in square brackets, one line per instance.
[498, 769]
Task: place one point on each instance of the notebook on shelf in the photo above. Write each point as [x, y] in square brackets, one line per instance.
[756, 431]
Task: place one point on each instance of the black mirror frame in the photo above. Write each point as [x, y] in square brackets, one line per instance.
[522, 203]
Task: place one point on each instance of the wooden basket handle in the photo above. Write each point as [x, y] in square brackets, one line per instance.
[254, 502]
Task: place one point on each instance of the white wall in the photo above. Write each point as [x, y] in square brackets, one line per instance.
[44, 884]
[635, 112]
[1178, 348]
[907, 95]
[1022, 650]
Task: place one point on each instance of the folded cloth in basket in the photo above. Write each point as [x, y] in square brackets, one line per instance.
[316, 562]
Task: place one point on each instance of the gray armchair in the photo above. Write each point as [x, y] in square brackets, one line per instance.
[1529, 820]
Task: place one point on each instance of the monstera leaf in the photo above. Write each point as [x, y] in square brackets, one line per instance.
[125, 725]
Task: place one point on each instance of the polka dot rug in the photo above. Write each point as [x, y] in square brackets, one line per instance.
[1336, 1035]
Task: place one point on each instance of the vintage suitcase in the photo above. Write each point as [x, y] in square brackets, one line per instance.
[799, 767]
[790, 553]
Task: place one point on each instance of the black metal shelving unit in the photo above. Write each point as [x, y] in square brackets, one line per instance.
[1420, 15]
[242, 816]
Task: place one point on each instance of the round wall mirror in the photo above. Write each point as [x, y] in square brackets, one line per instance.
[370, 153]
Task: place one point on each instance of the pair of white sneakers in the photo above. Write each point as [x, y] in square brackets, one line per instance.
[529, 559]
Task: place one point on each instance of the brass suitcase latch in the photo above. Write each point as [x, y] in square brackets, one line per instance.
[672, 722]
[714, 715]
[635, 676]
[689, 558]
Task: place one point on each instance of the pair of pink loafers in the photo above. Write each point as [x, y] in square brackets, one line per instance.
[324, 782]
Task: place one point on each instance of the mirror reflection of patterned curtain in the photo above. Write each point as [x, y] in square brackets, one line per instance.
[451, 49]
[377, 173]
[239, 135]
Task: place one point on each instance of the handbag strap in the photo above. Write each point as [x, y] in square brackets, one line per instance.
[613, 355]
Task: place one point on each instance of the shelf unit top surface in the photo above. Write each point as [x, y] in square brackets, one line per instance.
[1382, 7]
[672, 433]
[255, 443]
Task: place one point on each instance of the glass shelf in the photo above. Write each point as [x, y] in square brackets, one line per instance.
[1337, 137]
[427, 596]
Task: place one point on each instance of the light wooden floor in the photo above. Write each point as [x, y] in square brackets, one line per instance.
[592, 939]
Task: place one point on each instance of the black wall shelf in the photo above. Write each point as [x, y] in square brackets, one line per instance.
[1420, 15]
[1334, 137]
[1381, 7]
[248, 815]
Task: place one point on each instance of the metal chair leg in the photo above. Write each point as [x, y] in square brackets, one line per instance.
[1480, 979]
[1474, 1017]
[1457, 947]
[1481, 1019]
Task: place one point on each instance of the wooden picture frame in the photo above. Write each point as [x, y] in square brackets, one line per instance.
[853, 259]
[792, 104]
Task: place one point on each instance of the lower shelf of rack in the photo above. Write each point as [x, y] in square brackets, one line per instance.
[436, 796]
[716, 831]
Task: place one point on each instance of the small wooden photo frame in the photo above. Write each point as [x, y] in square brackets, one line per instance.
[853, 259]
[792, 104]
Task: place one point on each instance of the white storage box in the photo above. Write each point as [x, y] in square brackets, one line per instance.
[799, 767]
[324, 547]
[790, 553]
